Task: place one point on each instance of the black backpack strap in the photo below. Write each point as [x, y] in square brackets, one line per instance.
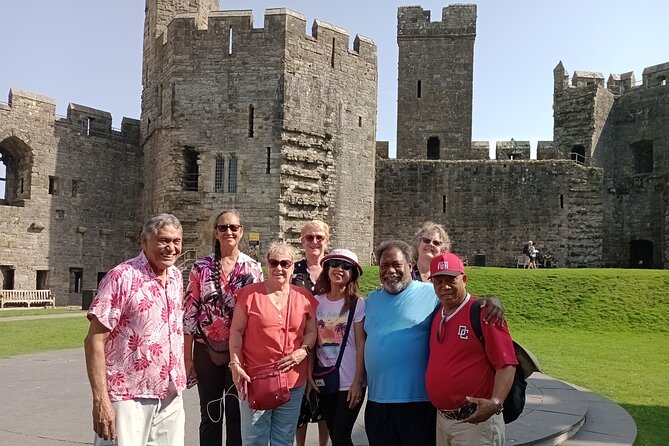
[349, 323]
[475, 319]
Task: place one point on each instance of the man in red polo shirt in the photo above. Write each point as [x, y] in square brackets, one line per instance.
[466, 381]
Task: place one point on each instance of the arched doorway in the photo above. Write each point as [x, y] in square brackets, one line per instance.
[641, 254]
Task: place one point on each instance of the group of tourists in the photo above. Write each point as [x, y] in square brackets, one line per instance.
[270, 354]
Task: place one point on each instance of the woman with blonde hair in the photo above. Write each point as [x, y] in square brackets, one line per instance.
[208, 310]
[273, 331]
[430, 241]
[315, 236]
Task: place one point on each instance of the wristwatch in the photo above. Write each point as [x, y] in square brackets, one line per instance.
[497, 403]
[306, 349]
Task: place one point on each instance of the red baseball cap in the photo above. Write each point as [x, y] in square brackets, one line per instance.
[446, 264]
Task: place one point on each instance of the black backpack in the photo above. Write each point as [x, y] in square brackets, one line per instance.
[527, 364]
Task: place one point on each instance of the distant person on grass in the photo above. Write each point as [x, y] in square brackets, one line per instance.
[134, 346]
[466, 381]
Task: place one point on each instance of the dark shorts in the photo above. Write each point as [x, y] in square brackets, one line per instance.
[310, 412]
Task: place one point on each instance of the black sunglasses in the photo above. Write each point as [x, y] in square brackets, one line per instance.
[310, 238]
[337, 263]
[285, 264]
[224, 228]
[429, 241]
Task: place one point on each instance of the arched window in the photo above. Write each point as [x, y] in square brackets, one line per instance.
[15, 171]
[433, 148]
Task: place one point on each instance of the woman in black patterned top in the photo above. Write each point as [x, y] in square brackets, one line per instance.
[315, 236]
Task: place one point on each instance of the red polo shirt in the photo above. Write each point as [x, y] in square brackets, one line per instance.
[459, 366]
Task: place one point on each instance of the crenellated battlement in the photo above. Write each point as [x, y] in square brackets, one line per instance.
[279, 24]
[456, 20]
[656, 75]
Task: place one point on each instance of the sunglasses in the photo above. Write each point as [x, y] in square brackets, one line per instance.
[343, 264]
[310, 238]
[224, 228]
[429, 241]
[285, 264]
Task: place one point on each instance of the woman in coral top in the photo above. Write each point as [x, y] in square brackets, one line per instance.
[210, 301]
[273, 326]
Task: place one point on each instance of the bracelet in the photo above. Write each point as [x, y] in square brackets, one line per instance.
[232, 363]
[306, 349]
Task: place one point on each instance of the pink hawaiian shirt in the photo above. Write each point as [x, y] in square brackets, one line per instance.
[144, 350]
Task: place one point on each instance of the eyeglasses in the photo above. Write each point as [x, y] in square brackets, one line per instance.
[337, 263]
[429, 241]
[224, 228]
[285, 264]
[310, 238]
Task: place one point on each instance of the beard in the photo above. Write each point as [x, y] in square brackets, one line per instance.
[396, 284]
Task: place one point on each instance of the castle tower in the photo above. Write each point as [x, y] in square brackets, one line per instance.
[435, 81]
[265, 120]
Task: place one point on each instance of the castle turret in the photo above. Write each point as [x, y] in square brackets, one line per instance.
[436, 65]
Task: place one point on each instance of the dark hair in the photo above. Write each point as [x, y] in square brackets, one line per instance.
[351, 291]
[216, 270]
[403, 247]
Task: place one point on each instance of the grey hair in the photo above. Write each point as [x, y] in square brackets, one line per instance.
[430, 226]
[400, 245]
[283, 247]
[153, 224]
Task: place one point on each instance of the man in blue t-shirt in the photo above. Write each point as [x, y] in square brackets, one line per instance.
[397, 322]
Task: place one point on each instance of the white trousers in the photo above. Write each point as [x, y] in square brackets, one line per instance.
[148, 422]
[457, 433]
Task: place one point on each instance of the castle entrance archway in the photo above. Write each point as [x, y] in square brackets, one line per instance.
[641, 254]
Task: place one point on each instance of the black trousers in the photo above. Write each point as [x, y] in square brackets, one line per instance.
[401, 424]
[212, 382]
[339, 418]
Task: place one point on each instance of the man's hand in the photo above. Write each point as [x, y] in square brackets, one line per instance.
[104, 419]
[495, 312]
[484, 409]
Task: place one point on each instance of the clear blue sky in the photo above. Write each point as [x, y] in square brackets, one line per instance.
[89, 52]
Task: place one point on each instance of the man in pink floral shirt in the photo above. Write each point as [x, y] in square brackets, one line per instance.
[134, 346]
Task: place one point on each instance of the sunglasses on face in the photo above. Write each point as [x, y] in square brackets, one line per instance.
[285, 264]
[310, 238]
[429, 241]
[224, 228]
[343, 264]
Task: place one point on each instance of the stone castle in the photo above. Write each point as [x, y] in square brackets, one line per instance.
[280, 124]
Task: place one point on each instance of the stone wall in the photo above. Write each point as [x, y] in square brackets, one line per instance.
[74, 206]
[491, 208]
[435, 80]
[635, 195]
[295, 112]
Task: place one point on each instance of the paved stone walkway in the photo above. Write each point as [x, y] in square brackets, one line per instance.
[46, 401]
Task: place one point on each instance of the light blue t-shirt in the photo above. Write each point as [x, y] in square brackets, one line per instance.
[397, 347]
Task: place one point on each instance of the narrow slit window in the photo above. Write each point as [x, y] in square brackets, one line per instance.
[230, 41]
[332, 56]
[359, 121]
[251, 119]
[191, 170]
[88, 126]
[444, 203]
[561, 201]
[232, 175]
[269, 160]
[419, 89]
[219, 174]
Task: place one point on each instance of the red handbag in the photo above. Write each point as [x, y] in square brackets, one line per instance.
[268, 388]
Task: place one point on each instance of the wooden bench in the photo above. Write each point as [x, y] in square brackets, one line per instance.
[29, 297]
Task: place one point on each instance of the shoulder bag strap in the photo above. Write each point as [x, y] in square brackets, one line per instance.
[349, 323]
[285, 339]
[475, 320]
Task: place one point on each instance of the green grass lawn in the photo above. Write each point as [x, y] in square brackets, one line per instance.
[603, 329]
[37, 311]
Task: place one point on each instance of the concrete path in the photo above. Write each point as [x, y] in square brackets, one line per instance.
[45, 400]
